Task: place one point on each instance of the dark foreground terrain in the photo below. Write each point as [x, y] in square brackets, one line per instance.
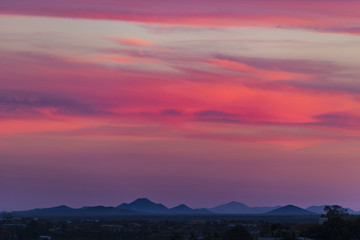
[97, 229]
[336, 224]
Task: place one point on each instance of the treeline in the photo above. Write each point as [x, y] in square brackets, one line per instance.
[339, 225]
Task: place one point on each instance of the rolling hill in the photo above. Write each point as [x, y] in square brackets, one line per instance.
[290, 210]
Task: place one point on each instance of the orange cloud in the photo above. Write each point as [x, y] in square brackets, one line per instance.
[134, 41]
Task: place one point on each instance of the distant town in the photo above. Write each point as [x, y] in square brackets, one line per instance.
[144, 219]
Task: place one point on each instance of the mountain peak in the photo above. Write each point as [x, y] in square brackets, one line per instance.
[230, 208]
[181, 206]
[290, 206]
[237, 203]
[62, 207]
[290, 210]
[142, 201]
[182, 209]
[144, 205]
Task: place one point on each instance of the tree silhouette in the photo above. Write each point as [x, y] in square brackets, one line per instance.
[335, 212]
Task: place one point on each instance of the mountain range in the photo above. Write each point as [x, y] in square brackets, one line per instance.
[240, 208]
[320, 210]
[143, 206]
[65, 211]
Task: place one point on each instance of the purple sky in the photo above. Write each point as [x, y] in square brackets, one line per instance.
[196, 102]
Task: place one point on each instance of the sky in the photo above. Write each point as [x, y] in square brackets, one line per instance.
[200, 102]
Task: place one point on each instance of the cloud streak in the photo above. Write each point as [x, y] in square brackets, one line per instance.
[340, 15]
[133, 41]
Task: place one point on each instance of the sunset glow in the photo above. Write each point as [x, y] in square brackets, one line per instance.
[197, 102]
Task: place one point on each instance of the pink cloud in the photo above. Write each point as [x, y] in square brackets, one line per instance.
[109, 92]
[256, 73]
[322, 16]
[133, 41]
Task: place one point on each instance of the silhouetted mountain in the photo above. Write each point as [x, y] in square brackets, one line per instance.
[240, 208]
[65, 211]
[230, 208]
[139, 206]
[320, 210]
[352, 211]
[182, 208]
[102, 211]
[290, 210]
[147, 207]
[144, 205]
[317, 209]
[38, 212]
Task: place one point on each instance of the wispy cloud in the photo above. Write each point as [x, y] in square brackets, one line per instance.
[339, 15]
[27, 104]
[133, 41]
